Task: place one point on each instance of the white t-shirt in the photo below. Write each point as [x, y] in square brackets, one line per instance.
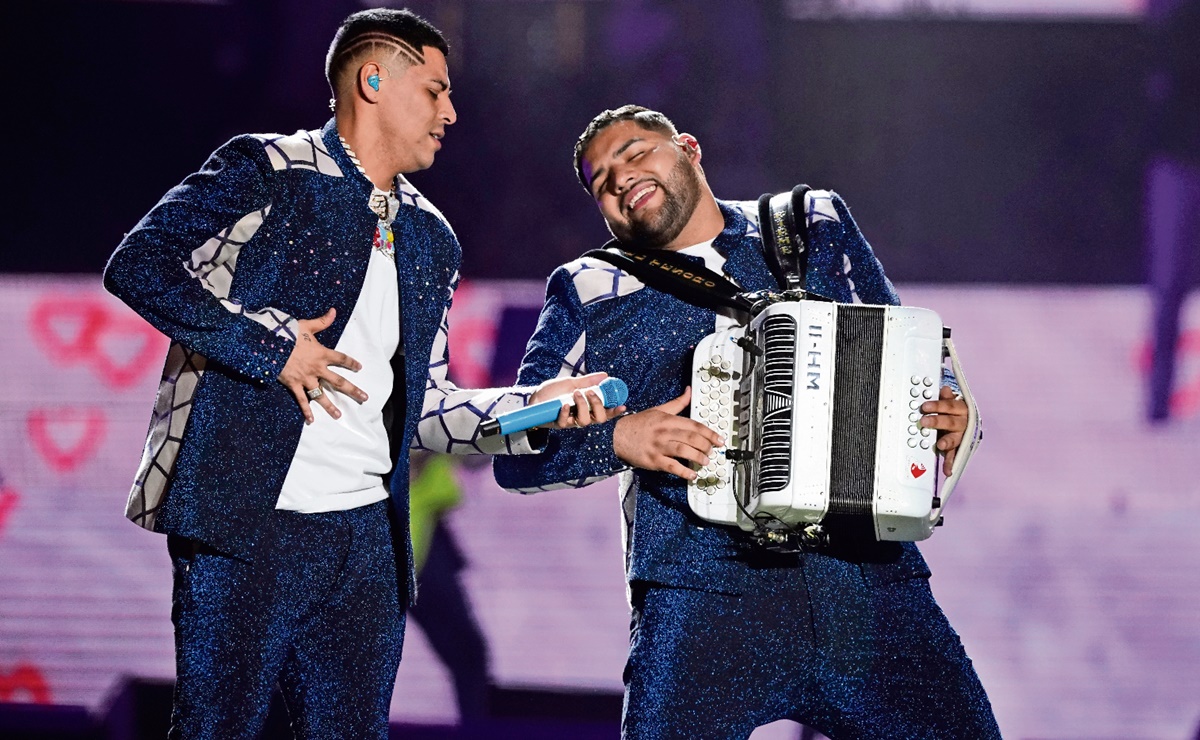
[340, 462]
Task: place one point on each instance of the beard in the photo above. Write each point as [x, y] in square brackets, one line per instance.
[681, 194]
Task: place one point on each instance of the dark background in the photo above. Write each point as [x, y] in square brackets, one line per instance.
[970, 151]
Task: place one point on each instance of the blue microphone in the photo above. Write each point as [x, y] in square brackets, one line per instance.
[612, 391]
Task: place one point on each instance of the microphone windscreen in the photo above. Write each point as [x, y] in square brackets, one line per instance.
[614, 392]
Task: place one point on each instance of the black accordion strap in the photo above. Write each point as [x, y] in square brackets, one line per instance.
[668, 272]
[781, 219]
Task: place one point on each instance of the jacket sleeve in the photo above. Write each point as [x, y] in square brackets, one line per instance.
[450, 416]
[572, 458]
[175, 267]
[857, 273]
[862, 268]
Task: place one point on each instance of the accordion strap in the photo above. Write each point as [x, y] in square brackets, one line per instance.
[670, 273]
[781, 220]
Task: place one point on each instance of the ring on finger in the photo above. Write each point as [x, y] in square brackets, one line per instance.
[314, 393]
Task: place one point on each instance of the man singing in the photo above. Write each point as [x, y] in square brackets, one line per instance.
[726, 635]
[291, 273]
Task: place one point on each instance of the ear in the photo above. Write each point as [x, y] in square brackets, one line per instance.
[689, 144]
[369, 77]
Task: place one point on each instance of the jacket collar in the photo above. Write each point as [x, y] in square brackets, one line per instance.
[333, 144]
[744, 260]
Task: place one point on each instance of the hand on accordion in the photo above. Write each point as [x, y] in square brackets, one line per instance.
[948, 415]
[658, 438]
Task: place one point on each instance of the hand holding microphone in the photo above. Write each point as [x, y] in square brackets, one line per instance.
[572, 402]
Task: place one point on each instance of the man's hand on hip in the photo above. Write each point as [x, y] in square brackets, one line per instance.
[654, 438]
[307, 369]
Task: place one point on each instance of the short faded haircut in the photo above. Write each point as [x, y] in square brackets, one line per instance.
[382, 32]
[651, 120]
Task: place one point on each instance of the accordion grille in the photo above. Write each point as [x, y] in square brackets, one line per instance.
[778, 385]
[857, 379]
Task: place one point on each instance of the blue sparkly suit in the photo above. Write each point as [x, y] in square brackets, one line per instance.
[271, 230]
[726, 636]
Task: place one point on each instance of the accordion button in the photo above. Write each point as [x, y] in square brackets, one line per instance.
[913, 430]
[924, 444]
[914, 405]
[916, 392]
[926, 432]
[928, 381]
[916, 380]
[928, 393]
[914, 418]
[912, 442]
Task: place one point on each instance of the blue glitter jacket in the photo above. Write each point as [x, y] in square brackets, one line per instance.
[597, 317]
[270, 229]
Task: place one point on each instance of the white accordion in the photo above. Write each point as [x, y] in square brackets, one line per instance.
[819, 405]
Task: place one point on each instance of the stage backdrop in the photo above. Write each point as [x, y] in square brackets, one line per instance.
[1069, 561]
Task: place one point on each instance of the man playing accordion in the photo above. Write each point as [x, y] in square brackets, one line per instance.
[726, 634]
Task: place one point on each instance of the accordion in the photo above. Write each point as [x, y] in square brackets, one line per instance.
[819, 405]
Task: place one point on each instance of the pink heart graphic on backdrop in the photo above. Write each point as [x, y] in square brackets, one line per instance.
[119, 347]
[66, 326]
[125, 347]
[66, 437]
[8, 502]
[24, 679]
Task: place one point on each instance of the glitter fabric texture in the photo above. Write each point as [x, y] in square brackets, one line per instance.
[274, 230]
[271, 230]
[816, 641]
[726, 636]
[318, 608]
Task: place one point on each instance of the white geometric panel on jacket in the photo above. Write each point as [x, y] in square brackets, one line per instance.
[749, 209]
[573, 364]
[596, 280]
[172, 407]
[410, 195]
[627, 491]
[576, 483]
[214, 262]
[439, 355]
[303, 150]
[818, 206]
[451, 418]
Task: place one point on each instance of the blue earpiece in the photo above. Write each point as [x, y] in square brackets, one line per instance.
[373, 81]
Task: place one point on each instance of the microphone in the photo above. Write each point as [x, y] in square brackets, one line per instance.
[612, 391]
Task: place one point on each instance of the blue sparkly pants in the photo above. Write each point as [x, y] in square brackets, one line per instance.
[317, 612]
[826, 643]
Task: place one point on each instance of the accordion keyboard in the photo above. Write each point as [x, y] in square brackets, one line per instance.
[717, 373]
